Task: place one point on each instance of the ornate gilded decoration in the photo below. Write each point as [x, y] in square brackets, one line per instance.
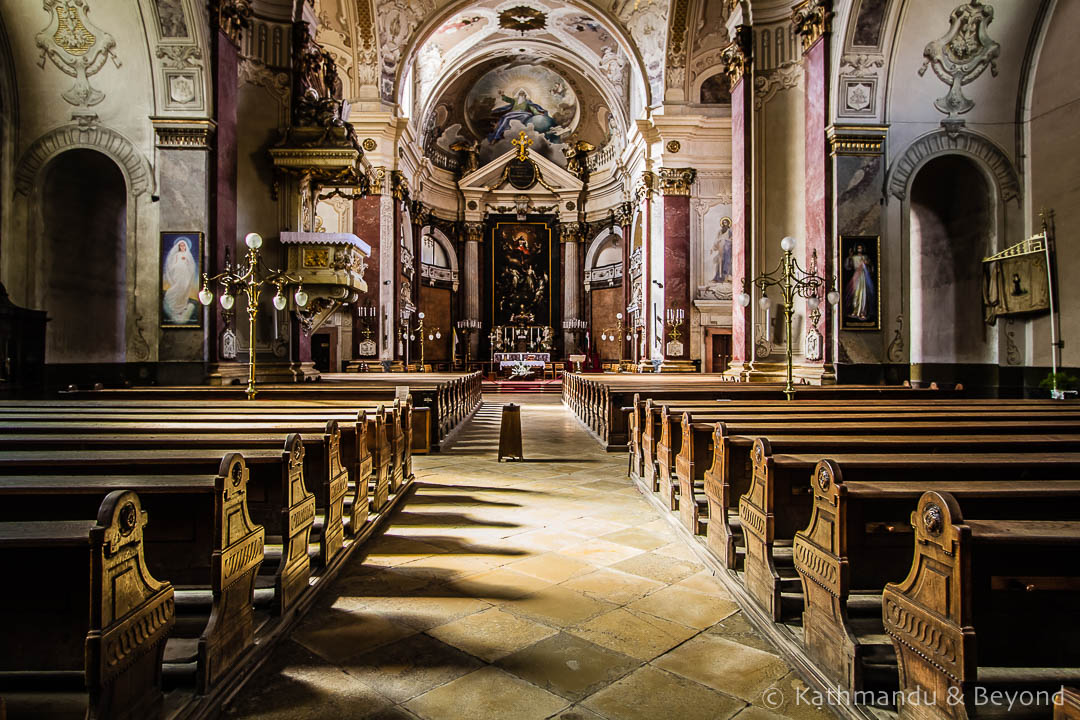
[674, 146]
[399, 186]
[676, 52]
[737, 56]
[570, 232]
[474, 232]
[232, 17]
[677, 181]
[377, 180]
[183, 133]
[76, 47]
[962, 54]
[577, 158]
[856, 140]
[318, 93]
[523, 19]
[317, 257]
[646, 186]
[811, 19]
[522, 144]
[369, 144]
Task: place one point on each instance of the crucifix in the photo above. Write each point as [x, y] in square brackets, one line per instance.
[522, 144]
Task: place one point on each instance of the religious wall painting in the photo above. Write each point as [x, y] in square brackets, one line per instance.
[860, 282]
[869, 23]
[715, 90]
[521, 270]
[714, 270]
[527, 98]
[181, 268]
[172, 24]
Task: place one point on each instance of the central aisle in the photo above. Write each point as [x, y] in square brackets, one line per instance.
[537, 589]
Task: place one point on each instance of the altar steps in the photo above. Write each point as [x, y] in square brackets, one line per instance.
[522, 386]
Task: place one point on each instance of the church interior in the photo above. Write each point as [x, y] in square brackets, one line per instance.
[576, 359]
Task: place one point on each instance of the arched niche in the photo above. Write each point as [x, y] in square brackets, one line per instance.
[83, 247]
[952, 220]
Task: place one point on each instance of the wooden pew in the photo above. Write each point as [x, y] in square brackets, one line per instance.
[728, 476]
[986, 603]
[115, 650]
[203, 537]
[778, 502]
[326, 476]
[859, 538]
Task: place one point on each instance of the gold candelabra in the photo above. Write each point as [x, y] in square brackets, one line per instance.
[616, 334]
[793, 282]
[245, 277]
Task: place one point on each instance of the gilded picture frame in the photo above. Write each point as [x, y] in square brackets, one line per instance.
[181, 267]
[859, 266]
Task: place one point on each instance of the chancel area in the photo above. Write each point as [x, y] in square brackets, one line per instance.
[577, 359]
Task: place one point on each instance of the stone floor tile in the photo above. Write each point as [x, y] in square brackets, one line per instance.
[339, 635]
[612, 585]
[782, 698]
[600, 552]
[649, 693]
[296, 685]
[636, 538]
[487, 693]
[498, 585]
[568, 665]
[679, 550]
[705, 582]
[738, 629]
[636, 634]
[410, 667]
[557, 606]
[393, 550]
[694, 609]
[419, 611]
[723, 665]
[491, 634]
[658, 567]
[552, 566]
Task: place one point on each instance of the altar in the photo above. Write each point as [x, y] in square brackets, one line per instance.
[531, 360]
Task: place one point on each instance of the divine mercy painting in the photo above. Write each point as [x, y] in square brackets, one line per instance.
[181, 265]
[860, 275]
[521, 273]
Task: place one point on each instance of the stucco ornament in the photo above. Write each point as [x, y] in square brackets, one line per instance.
[962, 54]
[77, 47]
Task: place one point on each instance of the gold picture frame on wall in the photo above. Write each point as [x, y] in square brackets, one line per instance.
[859, 265]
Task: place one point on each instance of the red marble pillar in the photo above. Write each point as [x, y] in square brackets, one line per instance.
[366, 227]
[675, 184]
[811, 22]
[737, 57]
[225, 42]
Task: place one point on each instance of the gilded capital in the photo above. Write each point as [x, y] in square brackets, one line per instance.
[474, 232]
[232, 17]
[570, 232]
[738, 54]
[624, 213]
[646, 186]
[399, 186]
[377, 180]
[677, 181]
[811, 19]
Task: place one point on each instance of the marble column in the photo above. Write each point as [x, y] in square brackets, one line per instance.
[644, 194]
[624, 216]
[388, 254]
[738, 60]
[367, 227]
[811, 21]
[226, 30]
[675, 186]
[573, 283]
[470, 281]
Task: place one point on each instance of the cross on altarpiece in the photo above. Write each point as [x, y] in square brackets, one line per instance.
[522, 144]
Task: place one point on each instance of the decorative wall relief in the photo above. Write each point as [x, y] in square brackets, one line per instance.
[768, 83]
[962, 54]
[77, 47]
[859, 83]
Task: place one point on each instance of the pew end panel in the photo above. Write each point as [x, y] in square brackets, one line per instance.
[759, 532]
[298, 517]
[131, 614]
[333, 484]
[720, 536]
[665, 460]
[237, 555]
